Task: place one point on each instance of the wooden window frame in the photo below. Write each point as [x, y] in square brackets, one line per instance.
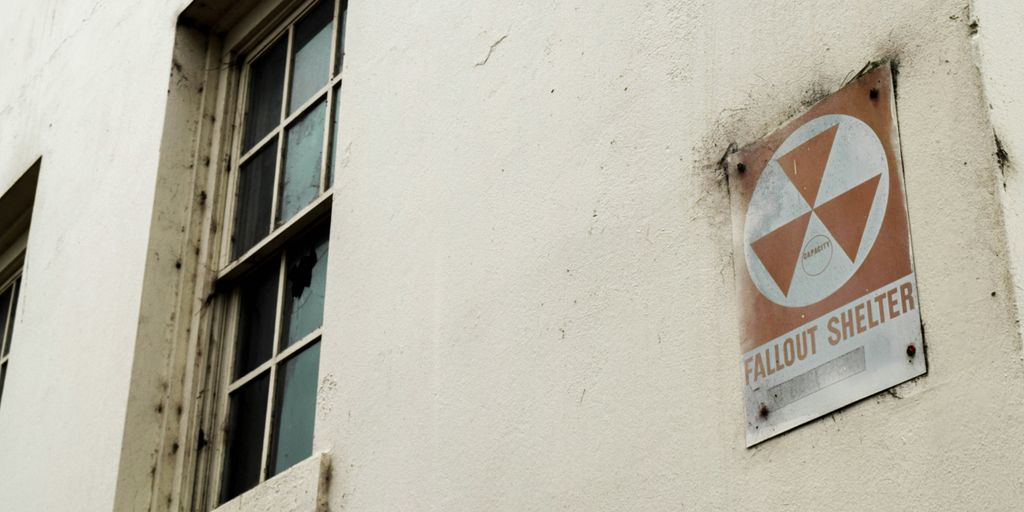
[300, 221]
[235, 52]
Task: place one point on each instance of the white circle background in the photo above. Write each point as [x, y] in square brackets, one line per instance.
[857, 155]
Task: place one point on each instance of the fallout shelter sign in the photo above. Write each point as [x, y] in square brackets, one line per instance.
[824, 269]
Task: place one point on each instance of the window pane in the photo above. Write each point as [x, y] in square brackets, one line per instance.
[10, 321]
[3, 377]
[304, 289]
[300, 181]
[246, 421]
[295, 410]
[266, 85]
[5, 304]
[311, 54]
[336, 128]
[258, 298]
[339, 57]
[255, 195]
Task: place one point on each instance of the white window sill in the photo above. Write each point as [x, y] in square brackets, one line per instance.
[300, 488]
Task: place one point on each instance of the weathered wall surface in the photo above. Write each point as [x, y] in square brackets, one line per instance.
[531, 302]
[84, 85]
[997, 39]
[530, 299]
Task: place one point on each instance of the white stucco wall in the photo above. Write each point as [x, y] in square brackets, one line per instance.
[530, 299]
[1002, 61]
[530, 302]
[83, 85]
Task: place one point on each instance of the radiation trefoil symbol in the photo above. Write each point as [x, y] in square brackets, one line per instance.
[816, 210]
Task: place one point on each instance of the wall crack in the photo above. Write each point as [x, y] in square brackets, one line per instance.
[490, 51]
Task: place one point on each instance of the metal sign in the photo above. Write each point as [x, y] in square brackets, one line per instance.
[823, 261]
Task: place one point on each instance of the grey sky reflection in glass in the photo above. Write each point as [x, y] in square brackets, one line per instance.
[311, 54]
[300, 179]
[296, 410]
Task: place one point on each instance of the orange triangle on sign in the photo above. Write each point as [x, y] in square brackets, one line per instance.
[805, 164]
[779, 251]
[846, 215]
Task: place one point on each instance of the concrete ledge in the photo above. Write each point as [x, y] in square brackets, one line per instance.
[301, 488]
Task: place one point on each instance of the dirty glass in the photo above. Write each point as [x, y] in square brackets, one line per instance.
[246, 421]
[339, 57]
[5, 303]
[258, 296]
[311, 54]
[304, 289]
[336, 115]
[255, 195]
[266, 85]
[296, 409]
[300, 180]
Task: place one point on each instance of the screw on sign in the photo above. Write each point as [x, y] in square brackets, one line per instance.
[824, 266]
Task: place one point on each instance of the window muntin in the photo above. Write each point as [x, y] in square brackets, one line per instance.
[278, 248]
[8, 309]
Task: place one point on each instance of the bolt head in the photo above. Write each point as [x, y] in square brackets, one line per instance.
[911, 350]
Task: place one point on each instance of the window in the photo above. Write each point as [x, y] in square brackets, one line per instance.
[8, 307]
[15, 218]
[278, 211]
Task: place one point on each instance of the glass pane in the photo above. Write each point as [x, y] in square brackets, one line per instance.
[300, 181]
[266, 85]
[311, 54]
[339, 57]
[304, 289]
[255, 196]
[258, 296]
[5, 303]
[3, 377]
[10, 320]
[336, 128]
[246, 421]
[295, 410]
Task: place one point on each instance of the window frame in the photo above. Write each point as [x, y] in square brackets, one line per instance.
[16, 205]
[290, 228]
[229, 383]
[238, 49]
